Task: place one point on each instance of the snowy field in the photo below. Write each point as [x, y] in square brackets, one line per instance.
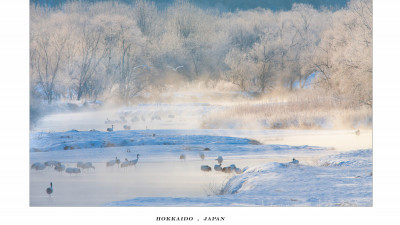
[334, 169]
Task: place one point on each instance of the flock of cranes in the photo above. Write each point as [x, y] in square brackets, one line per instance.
[218, 167]
[79, 165]
[127, 163]
[232, 168]
[57, 166]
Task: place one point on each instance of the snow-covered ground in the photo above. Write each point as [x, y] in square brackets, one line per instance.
[335, 166]
[338, 180]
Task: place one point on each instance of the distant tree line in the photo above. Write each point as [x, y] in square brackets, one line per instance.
[86, 50]
[223, 5]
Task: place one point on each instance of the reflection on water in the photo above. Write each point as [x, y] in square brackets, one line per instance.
[148, 179]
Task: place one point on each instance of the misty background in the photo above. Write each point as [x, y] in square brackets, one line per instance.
[223, 5]
[312, 57]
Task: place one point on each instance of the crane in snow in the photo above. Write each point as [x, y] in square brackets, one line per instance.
[49, 190]
[218, 167]
[134, 162]
[110, 129]
[219, 159]
[202, 156]
[205, 168]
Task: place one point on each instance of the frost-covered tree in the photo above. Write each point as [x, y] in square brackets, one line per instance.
[192, 28]
[89, 55]
[145, 14]
[344, 57]
[84, 50]
[240, 70]
[302, 33]
[47, 56]
[130, 77]
[265, 64]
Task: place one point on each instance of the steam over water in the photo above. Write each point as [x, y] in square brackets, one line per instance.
[140, 117]
[160, 177]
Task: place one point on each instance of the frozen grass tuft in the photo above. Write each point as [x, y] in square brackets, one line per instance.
[218, 189]
[297, 111]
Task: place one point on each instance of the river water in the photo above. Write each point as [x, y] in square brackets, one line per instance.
[163, 179]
